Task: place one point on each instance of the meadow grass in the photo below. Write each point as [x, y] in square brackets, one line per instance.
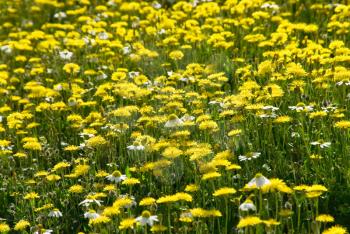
[174, 116]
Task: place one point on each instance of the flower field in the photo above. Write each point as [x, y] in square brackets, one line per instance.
[175, 116]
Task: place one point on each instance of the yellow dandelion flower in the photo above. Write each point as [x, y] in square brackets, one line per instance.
[183, 196]
[271, 222]
[147, 201]
[174, 198]
[202, 213]
[53, 178]
[80, 170]
[71, 148]
[317, 114]
[41, 174]
[209, 125]
[176, 55]
[234, 132]
[317, 188]
[110, 211]
[158, 228]
[4, 228]
[71, 68]
[20, 155]
[285, 212]
[21, 225]
[110, 188]
[324, 218]
[131, 181]
[122, 202]
[101, 174]
[302, 187]
[283, 119]
[172, 152]
[127, 223]
[31, 196]
[60, 165]
[211, 175]
[99, 220]
[96, 141]
[335, 230]
[76, 189]
[32, 145]
[315, 156]
[249, 221]
[224, 191]
[276, 185]
[191, 188]
[313, 194]
[233, 167]
[344, 124]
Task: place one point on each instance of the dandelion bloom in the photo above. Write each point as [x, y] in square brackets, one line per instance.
[249, 221]
[343, 124]
[99, 220]
[158, 228]
[71, 68]
[21, 225]
[176, 55]
[224, 191]
[324, 218]
[31, 196]
[4, 228]
[127, 223]
[131, 181]
[202, 213]
[76, 189]
[335, 230]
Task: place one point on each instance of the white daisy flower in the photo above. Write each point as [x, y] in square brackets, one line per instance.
[60, 15]
[91, 214]
[43, 231]
[55, 213]
[156, 5]
[247, 206]
[87, 202]
[136, 147]
[249, 156]
[116, 177]
[173, 122]
[273, 108]
[162, 31]
[103, 36]
[66, 55]
[147, 218]
[133, 74]
[270, 5]
[187, 117]
[321, 143]
[6, 49]
[126, 50]
[259, 181]
[111, 3]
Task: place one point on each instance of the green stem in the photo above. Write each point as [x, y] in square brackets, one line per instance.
[169, 220]
[226, 218]
[260, 202]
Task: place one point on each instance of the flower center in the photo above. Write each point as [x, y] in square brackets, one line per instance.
[172, 117]
[116, 174]
[146, 214]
